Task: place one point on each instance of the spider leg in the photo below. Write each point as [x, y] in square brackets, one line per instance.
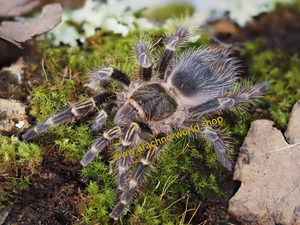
[218, 104]
[79, 109]
[104, 74]
[100, 144]
[182, 33]
[101, 117]
[211, 134]
[136, 179]
[145, 61]
[128, 141]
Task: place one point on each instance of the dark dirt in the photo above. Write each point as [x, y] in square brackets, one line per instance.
[54, 196]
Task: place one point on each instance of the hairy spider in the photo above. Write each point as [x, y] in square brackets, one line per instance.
[198, 82]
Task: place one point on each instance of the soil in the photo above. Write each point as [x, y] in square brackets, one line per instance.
[54, 196]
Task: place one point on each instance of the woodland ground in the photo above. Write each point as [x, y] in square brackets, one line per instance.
[49, 186]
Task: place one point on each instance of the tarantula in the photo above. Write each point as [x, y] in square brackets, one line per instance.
[198, 82]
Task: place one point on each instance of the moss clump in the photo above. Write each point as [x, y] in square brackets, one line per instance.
[101, 198]
[18, 162]
[73, 141]
[49, 98]
[282, 72]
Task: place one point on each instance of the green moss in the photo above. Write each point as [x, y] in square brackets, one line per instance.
[49, 98]
[100, 202]
[73, 141]
[282, 72]
[18, 161]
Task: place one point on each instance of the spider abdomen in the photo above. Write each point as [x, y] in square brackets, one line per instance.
[202, 74]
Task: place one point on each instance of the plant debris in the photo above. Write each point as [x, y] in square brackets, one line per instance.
[17, 32]
[269, 167]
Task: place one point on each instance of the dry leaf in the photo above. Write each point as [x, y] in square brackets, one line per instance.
[269, 169]
[11, 8]
[16, 32]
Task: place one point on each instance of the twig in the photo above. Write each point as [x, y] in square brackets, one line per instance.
[194, 213]
[153, 217]
[44, 71]
[203, 223]
[184, 213]
[65, 73]
[166, 188]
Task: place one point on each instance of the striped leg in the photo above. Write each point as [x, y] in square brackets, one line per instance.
[228, 102]
[101, 117]
[182, 33]
[79, 109]
[104, 74]
[100, 144]
[128, 142]
[127, 195]
[211, 134]
[145, 61]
